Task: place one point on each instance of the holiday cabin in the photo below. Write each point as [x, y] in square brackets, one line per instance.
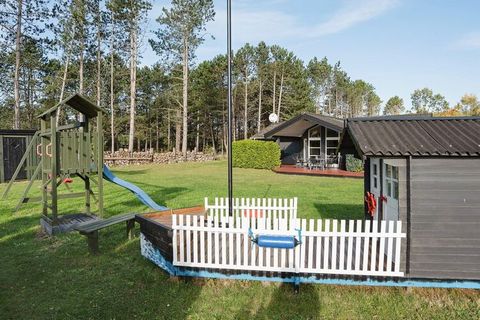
[306, 139]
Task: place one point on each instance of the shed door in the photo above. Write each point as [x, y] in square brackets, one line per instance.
[13, 150]
[390, 190]
[375, 181]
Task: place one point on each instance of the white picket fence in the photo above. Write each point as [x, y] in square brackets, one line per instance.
[353, 247]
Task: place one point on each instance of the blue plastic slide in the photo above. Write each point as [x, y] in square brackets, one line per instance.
[139, 193]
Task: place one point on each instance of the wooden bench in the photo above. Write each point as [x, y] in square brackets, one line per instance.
[90, 229]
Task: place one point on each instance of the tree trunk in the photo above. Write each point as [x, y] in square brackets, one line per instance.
[168, 129]
[245, 116]
[274, 87]
[16, 81]
[157, 133]
[259, 121]
[234, 116]
[280, 95]
[185, 97]
[64, 82]
[178, 130]
[80, 61]
[197, 138]
[133, 79]
[112, 93]
[213, 136]
[99, 63]
[224, 129]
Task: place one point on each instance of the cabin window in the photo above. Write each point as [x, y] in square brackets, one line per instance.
[315, 142]
[332, 138]
[315, 132]
[391, 181]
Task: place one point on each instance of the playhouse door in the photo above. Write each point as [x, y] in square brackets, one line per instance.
[375, 181]
[390, 190]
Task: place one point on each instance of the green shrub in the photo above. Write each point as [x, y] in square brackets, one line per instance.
[255, 154]
[353, 164]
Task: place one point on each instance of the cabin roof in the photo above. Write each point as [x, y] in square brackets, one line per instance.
[77, 102]
[296, 126]
[413, 136]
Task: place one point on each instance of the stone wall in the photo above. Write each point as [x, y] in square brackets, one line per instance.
[122, 157]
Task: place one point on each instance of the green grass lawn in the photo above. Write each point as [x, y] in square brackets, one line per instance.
[55, 277]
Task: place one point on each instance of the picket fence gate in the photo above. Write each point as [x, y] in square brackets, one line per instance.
[353, 247]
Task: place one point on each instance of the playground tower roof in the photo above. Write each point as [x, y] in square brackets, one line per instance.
[77, 102]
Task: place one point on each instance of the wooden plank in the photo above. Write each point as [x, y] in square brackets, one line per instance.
[373, 252]
[216, 235]
[310, 241]
[358, 240]
[342, 246]
[175, 240]
[381, 251]
[209, 240]
[333, 263]
[326, 239]
[366, 247]
[350, 244]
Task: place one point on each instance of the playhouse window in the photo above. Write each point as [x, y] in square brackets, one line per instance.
[391, 181]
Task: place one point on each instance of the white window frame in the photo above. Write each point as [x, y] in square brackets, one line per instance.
[327, 138]
[391, 181]
[314, 139]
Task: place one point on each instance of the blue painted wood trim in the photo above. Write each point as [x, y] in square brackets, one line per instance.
[150, 252]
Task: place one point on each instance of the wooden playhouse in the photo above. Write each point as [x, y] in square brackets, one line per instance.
[425, 172]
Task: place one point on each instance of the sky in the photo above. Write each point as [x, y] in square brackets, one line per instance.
[396, 45]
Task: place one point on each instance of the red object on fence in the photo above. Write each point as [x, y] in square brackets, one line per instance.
[253, 213]
[67, 180]
[371, 203]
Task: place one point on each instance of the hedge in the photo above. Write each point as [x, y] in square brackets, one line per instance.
[353, 164]
[255, 154]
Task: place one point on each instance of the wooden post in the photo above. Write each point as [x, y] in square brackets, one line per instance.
[130, 229]
[54, 162]
[43, 139]
[2, 164]
[100, 162]
[92, 240]
[85, 156]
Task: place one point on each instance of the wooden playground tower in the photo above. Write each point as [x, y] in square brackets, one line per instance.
[67, 150]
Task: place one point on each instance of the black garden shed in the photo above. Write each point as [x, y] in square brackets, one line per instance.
[13, 144]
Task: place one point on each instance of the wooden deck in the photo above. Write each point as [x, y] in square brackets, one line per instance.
[292, 169]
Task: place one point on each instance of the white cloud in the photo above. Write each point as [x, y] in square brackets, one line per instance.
[470, 41]
[351, 14]
[253, 22]
[257, 20]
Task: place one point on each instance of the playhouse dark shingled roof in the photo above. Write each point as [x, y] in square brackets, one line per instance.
[416, 136]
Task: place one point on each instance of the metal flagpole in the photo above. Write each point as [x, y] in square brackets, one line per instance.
[229, 76]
